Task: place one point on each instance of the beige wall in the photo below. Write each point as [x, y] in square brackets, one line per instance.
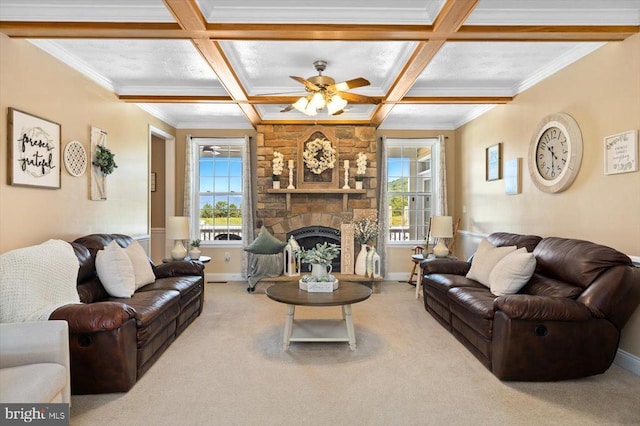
[602, 92]
[34, 82]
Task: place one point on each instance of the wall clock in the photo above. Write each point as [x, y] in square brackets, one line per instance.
[555, 153]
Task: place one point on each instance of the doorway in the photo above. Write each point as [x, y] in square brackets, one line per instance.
[161, 190]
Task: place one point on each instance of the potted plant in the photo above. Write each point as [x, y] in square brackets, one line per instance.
[194, 253]
[105, 160]
[319, 257]
[361, 162]
[277, 165]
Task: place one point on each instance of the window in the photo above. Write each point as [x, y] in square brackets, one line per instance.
[217, 204]
[410, 191]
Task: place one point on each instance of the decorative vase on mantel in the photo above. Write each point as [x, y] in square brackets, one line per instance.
[361, 261]
[276, 184]
[358, 184]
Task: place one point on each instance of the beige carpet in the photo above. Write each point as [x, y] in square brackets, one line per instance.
[228, 368]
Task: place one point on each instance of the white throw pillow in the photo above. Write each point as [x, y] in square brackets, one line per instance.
[512, 272]
[141, 266]
[485, 259]
[115, 271]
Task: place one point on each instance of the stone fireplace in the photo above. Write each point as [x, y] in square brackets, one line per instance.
[285, 212]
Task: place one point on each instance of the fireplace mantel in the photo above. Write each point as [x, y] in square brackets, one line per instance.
[345, 193]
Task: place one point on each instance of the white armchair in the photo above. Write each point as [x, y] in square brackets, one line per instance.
[34, 362]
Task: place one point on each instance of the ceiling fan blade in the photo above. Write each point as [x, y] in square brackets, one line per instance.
[349, 84]
[306, 83]
[287, 109]
[358, 99]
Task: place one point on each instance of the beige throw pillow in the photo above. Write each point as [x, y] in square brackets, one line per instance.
[142, 269]
[115, 271]
[512, 272]
[485, 258]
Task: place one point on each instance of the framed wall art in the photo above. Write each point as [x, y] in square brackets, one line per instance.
[34, 150]
[512, 176]
[621, 153]
[493, 162]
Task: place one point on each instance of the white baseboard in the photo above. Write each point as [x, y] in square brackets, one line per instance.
[397, 276]
[219, 277]
[628, 361]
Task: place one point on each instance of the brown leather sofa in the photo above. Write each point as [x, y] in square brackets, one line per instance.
[564, 323]
[114, 341]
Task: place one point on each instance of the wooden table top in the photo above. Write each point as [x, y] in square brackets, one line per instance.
[346, 294]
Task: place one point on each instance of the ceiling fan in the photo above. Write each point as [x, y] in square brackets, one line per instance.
[324, 92]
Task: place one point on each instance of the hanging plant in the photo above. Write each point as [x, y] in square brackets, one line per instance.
[105, 160]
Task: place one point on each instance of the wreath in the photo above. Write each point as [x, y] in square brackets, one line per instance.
[319, 155]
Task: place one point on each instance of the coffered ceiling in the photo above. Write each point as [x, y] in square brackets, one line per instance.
[432, 64]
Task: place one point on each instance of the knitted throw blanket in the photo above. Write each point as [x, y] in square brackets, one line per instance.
[36, 280]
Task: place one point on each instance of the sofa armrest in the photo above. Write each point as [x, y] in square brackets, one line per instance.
[94, 317]
[444, 266]
[541, 308]
[178, 268]
[35, 343]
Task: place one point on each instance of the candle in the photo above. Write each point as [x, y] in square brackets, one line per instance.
[291, 164]
[346, 164]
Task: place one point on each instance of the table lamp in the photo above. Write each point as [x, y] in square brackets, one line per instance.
[441, 227]
[178, 230]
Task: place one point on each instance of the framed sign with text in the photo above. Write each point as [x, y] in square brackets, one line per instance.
[34, 151]
[621, 153]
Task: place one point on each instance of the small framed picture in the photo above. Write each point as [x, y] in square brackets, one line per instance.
[512, 177]
[152, 184]
[34, 151]
[621, 153]
[493, 162]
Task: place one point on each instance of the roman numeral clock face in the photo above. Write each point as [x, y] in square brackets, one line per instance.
[555, 153]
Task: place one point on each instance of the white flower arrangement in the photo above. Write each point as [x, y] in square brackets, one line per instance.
[365, 230]
[277, 164]
[319, 155]
[361, 162]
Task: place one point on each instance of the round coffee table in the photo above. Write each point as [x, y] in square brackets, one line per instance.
[324, 330]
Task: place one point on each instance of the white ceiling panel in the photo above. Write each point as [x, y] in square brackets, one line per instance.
[139, 66]
[556, 12]
[494, 68]
[265, 66]
[326, 11]
[435, 117]
[199, 115]
[85, 11]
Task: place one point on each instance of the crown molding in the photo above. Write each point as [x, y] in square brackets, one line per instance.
[54, 49]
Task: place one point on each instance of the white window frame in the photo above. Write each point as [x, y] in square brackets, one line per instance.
[435, 152]
[195, 197]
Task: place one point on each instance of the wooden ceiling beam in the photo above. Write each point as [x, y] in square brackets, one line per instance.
[450, 19]
[170, 30]
[175, 99]
[188, 15]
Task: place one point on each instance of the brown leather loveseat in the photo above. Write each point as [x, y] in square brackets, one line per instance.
[114, 341]
[564, 323]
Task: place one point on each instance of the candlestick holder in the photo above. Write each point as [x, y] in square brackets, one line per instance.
[291, 178]
[346, 178]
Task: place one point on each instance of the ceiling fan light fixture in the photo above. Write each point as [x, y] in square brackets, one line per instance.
[317, 101]
[301, 104]
[310, 110]
[336, 104]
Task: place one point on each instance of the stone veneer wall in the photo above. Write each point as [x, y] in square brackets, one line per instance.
[312, 209]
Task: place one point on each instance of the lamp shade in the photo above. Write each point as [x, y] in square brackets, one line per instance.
[177, 227]
[442, 227]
